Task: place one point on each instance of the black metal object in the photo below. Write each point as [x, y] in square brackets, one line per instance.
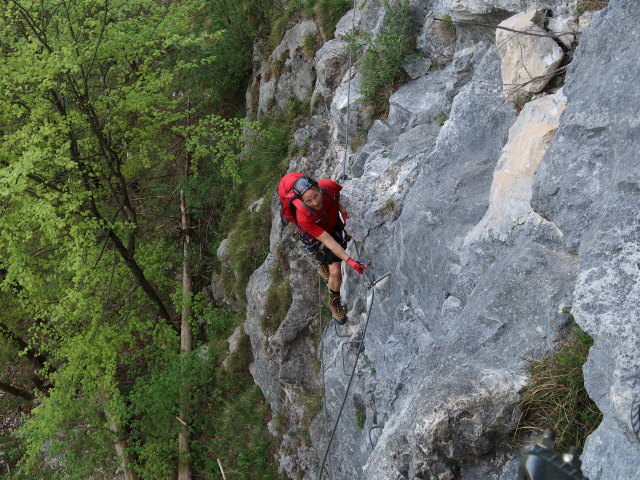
[540, 462]
[635, 416]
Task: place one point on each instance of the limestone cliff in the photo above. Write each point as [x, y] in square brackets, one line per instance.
[491, 215]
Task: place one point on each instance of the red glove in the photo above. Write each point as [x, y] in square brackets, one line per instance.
[357, 266]
[345, 216]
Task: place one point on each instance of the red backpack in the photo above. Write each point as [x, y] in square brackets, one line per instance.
[290, 200]
[287, 196]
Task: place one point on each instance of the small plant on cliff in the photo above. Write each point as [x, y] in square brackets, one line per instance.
[310, 45]
[381, 65]
[389, 207]
[359, 139]
[361, 415]
[447, 25]
[556, 398]
[326, 13]
[313, 403]
[282, 16]
[584, 5]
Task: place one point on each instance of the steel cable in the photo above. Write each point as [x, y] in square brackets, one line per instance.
[371, 287]
[346, 134]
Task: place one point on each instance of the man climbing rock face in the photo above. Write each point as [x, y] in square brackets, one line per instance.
[317, 208]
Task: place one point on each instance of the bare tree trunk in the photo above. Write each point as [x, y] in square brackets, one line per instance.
[122, 450]
[184, 464]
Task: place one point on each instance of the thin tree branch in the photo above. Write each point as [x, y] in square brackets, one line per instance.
[16, 392]
[499, 27]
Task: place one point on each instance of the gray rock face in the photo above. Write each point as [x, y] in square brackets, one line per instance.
[331, 65]
[490, 224]
[588, 185]
[347, 99]
[222, 252]
[510, 194]
[420, 101]
[426, 99]
[444, 349]
[417, 68]
[217, 292]
[295, 73]
[368, 17]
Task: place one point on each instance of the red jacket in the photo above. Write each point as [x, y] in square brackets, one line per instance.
[314, 222]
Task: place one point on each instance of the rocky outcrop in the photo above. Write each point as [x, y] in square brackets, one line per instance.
[331, 65]
[529, 59]
[288, 73]
[511, 190]
[491, 222]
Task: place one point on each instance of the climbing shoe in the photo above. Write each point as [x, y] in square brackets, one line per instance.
[323, 270]
[337, 310]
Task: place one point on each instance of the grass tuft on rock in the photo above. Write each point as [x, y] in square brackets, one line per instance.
[556, 398]
[589, 5]
[326, 14]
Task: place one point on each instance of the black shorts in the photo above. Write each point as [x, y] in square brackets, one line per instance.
[323, 254]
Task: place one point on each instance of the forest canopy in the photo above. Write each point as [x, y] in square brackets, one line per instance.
[120, 128]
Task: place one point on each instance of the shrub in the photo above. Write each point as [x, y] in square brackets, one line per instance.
[381, 66]
[359, 139]
[249, 245]
[556, 398]
[231, 412]
[220, 85]
[282, 17]
[276, 68]
[313, 403]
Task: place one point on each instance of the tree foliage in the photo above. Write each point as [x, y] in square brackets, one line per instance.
[96, 116]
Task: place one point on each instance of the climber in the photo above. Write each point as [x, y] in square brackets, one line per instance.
[314, 208]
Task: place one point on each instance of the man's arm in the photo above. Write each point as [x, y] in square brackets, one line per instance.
[339, 252]
[334, 246]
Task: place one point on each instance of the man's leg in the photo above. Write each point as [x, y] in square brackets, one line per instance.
[334, 284]
[335, 276]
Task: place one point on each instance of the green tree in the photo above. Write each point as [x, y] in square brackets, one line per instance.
[88, 110]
